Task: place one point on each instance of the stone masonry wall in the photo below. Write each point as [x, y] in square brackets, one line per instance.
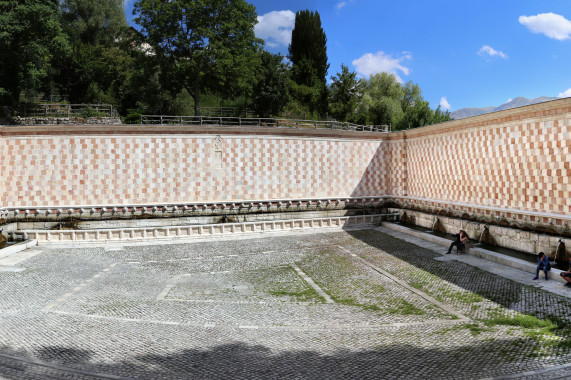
[72, 169]
[516, 161]
[512, 165]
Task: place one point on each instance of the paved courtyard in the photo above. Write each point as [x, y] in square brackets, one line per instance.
[332, 305]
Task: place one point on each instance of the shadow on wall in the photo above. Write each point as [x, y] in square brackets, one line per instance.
[386, 173]
[374, 178]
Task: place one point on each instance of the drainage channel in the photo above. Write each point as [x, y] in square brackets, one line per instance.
[525, 256]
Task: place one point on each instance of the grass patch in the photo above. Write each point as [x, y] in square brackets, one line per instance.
[355, 303]
[464, 297]
[305, 295]
[475, 329]
[404, 307]
[524, 321]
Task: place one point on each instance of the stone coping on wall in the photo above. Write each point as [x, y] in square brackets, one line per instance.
[86, 130]
[170, 209]
[531, 216]
[193, 231]
[537, 112]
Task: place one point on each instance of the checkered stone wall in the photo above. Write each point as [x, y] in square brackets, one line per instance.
[516, 164]
[511, 162]
[73, 170]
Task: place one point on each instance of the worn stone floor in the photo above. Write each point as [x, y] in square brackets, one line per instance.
[330, 305]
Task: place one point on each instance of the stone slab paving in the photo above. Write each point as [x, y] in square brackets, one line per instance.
[335, 305]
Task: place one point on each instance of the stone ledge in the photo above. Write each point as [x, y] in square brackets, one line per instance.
[193, 231]
[508, 261]
[18, 247]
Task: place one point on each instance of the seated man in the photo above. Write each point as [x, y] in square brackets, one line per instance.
[542, 264]
[567, 275]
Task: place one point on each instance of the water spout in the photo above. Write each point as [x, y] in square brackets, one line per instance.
[434, 224]
[560, 253]
[482, 234]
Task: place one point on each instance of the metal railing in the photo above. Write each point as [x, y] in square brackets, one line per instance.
[260, 122]
[227, 112]
[68, 110]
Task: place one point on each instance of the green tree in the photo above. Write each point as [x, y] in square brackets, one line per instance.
[441, 116]
[386, 101]
[94, 22]
[31, 41]
[382, 100]
[345, 92]
[271, 91]
[417, 111]
[101, 58]
[205, 44]
[308, 55]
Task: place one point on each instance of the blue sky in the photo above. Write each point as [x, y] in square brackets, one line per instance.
[461, 53]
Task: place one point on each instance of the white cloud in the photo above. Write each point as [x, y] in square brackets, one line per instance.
[565, 94]
[340, 4]
[552, 25]
[509, 100]
[379, 62]
[444, 103]
[275, 27]
[489, 52]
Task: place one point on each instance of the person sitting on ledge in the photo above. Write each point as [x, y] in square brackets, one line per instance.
[542, 264]
[461, 240]
[567, 275]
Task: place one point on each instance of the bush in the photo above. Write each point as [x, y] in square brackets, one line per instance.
[133, 118]
[88, 111]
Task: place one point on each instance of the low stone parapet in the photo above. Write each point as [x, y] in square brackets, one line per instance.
[17, 120]
[193, 231]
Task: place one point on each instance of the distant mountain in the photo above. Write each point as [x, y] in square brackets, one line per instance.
[469, 112]
[520, 101]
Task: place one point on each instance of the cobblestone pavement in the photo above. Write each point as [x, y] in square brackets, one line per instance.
[337, 305]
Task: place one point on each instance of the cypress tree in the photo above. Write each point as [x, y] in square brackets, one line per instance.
[308, 50]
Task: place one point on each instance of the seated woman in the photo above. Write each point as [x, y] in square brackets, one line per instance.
[461, 240]
[542, 264]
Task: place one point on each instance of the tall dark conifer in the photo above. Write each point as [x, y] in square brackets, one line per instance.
[308, 55]
[308, 49]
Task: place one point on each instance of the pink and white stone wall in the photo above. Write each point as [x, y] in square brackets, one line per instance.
[66, 169]
[514, 161]
[517, 160]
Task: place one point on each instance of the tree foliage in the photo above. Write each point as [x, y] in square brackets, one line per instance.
[31, 41]
[100, 60]
[270, 93]
[94, 22]
[308, 55]
[85, 51]
[206, 44]
[345, 92]
[387, 102]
